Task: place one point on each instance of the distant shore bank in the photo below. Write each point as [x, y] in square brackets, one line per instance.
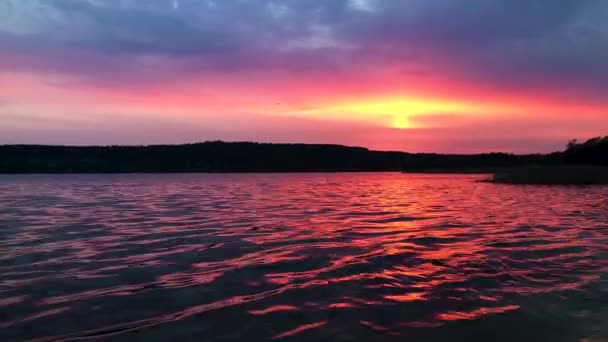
[246, 157]
[580, 163]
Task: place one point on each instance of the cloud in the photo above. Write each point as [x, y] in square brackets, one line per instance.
[512, 44]
[499, 42]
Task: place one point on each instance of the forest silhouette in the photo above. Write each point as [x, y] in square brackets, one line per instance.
[218, 156]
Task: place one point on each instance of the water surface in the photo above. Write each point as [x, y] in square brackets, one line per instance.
[340, 257]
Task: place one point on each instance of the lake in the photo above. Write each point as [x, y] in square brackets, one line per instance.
[339, 257]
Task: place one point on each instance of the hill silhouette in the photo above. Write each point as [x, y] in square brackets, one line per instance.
[217, 156]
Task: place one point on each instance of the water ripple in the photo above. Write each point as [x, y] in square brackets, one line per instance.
[300, 256]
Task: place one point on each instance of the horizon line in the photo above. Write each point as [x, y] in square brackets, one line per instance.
[272, 143]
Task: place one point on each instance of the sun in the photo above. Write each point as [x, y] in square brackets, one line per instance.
[395, 112]
[402, 121]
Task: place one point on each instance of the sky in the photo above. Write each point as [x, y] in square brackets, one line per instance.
[449, 76]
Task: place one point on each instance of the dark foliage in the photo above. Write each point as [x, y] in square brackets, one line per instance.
[243, 157]
[591, 152]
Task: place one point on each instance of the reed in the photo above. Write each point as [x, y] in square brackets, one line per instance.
[553, 175]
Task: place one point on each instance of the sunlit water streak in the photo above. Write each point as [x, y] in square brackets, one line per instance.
[352, 257]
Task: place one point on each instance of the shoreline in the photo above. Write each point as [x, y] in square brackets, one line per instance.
[554, 175]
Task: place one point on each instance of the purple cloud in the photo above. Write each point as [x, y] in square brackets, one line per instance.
[498, 41]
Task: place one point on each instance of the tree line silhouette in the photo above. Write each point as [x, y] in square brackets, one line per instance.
[218, 156]
[593, 152]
